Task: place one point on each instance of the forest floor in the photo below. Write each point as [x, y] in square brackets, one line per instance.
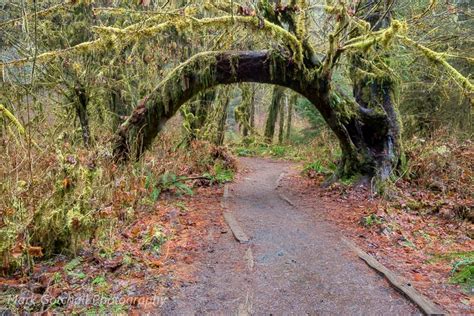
[179, 257]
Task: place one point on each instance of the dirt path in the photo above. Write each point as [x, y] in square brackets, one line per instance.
[293, 264]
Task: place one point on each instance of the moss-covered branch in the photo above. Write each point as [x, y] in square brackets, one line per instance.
[9, 115]
[111, 37]
[440, 59]
[38, 14]
[203, 71]
[4, 111]
[185, 23]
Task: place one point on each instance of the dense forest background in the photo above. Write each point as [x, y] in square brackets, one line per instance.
[72, 72]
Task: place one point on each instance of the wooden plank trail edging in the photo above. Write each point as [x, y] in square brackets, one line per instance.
[280, 177]
[235, 227]
[287, 200]
[237, 231]
[428, 307]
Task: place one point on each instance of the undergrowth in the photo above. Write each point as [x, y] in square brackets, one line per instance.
[69, 197]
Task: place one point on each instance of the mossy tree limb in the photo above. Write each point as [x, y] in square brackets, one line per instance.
[201, 72]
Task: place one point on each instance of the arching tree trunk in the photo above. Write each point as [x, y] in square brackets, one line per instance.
[272, 115]
[349, 121]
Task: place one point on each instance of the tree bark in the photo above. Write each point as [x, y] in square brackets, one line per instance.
[346, 118]
[282, 119]
[273, 111]
[293, 99]
[252, 109]
[243, 111]
[117, 107]
[222, 119]
[376, 96]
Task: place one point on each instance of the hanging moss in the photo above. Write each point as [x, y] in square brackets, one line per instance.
[243, 111]
[187, 24]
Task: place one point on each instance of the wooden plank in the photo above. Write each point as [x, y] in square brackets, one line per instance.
[277, 183]
[239, 234]
[249, 258]
[287, 200]
[225, 197]
[428, 307]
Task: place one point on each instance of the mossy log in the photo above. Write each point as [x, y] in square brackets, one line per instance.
[351, 123]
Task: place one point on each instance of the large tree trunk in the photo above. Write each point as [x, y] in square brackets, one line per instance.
[376, 95]
[272, 115]
[243, 111]
[352, 124]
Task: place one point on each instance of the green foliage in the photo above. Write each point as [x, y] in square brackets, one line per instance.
[348, 181]
[99, 280]
[463, 272]
[318, 167]
[73, 264]
[167, 182]
[371, 220]
[154, 239]
[267, 150]
[222, 174]
[278, 151]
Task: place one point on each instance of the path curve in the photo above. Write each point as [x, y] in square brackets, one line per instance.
[294, 263]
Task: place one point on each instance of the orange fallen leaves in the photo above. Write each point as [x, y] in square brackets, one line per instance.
[406, 240]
